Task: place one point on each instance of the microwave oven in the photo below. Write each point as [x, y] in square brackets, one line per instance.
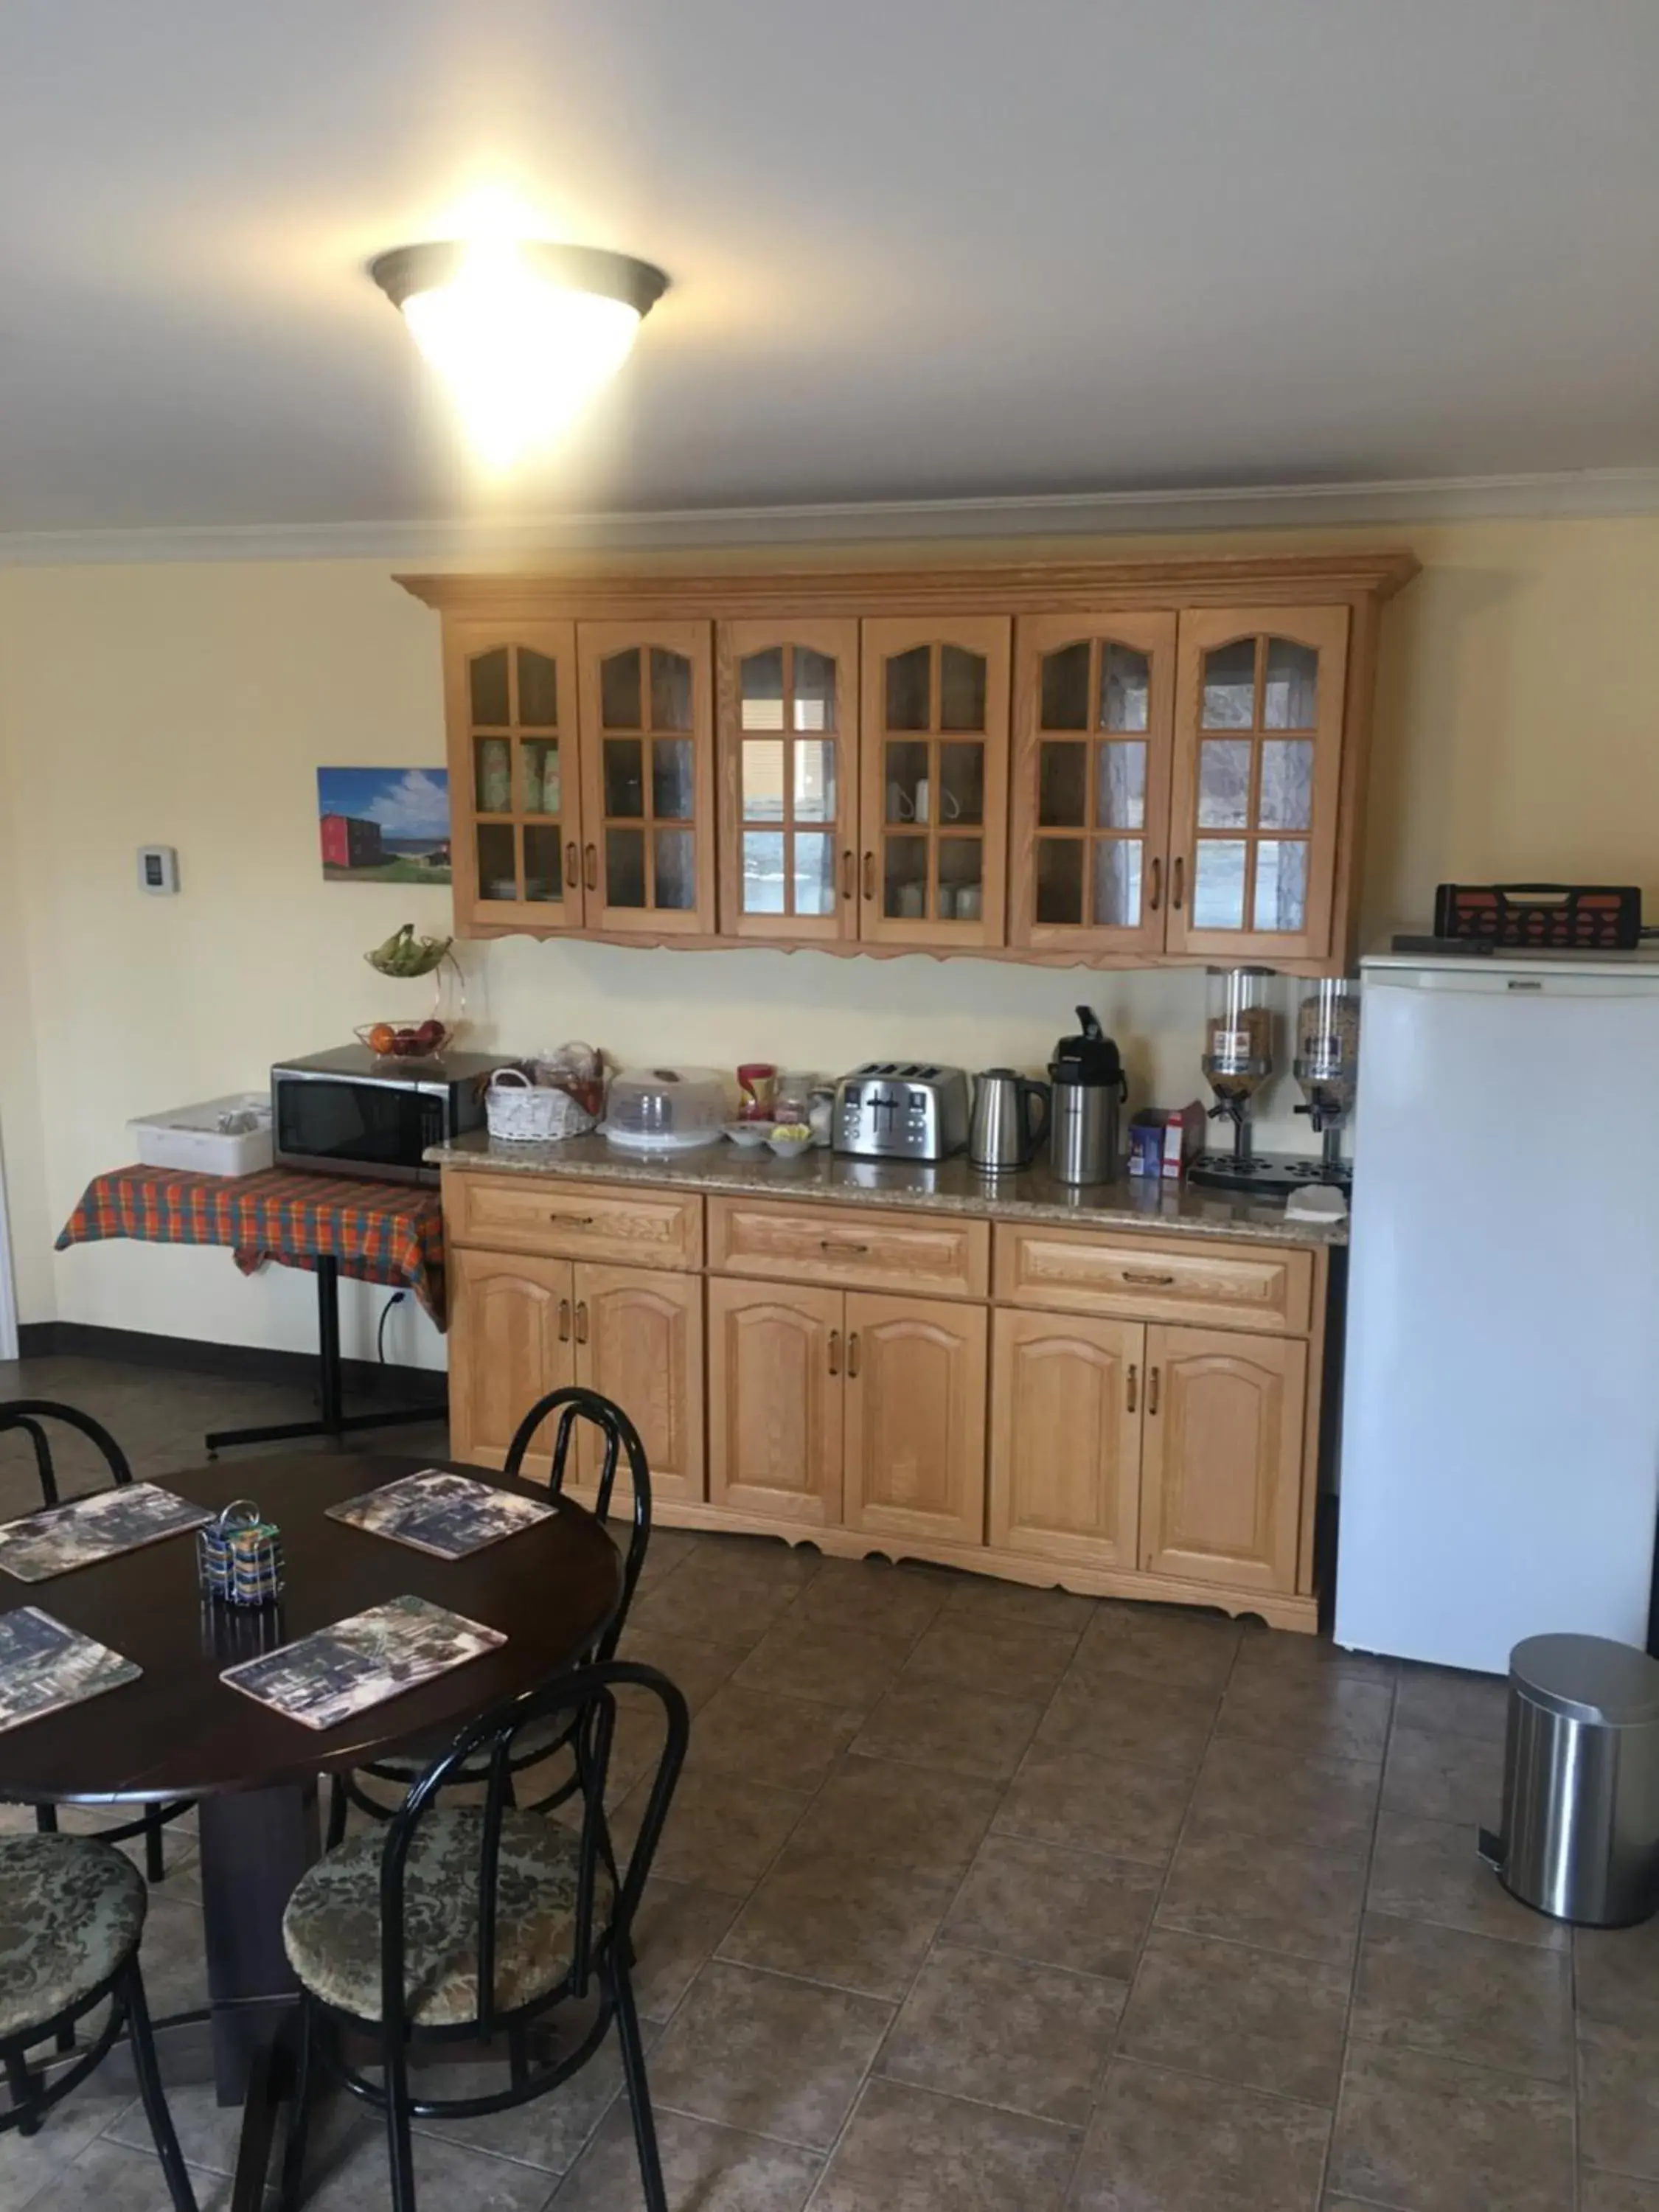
[349, 1112]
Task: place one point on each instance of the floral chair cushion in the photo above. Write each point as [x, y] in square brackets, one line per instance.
[331, 1929]
[72, 1913]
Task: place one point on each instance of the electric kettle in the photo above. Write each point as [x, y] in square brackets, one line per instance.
[1000, 1137]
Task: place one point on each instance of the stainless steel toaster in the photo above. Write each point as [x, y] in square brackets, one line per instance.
[902, 1109]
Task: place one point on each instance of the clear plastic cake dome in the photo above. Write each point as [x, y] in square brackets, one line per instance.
[665, 1109]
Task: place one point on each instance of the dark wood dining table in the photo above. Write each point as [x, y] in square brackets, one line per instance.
[178, 1731]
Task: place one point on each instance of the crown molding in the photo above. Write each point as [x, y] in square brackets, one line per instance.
[1568, 492]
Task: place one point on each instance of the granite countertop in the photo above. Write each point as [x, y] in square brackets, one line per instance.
[950, 1186]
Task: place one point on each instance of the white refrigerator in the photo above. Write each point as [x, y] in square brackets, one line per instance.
[1499, 1472]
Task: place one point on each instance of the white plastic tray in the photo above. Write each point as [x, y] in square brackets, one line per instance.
[189, 1137]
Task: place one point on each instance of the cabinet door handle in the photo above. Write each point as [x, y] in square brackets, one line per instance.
[572, 865]
[869, 875]
[835, 1244]
[1144, 1275]
[848, 873]
[1152, 1385]
[1130, 1395]
[564, 1320]
[852, 1355]
[582, 1322]
[1178, 881]
[835, 1351]
[591, 869]
[1155, 895]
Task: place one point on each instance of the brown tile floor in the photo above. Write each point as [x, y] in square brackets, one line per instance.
[977, 1897]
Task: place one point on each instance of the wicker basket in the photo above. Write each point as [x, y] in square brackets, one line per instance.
[523, 1112]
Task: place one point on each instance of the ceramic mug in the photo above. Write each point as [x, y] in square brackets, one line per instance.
[899, 808]
[970, 902]
[912, 901]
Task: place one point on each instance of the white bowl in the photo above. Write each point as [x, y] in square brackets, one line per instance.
[790, 1148]
[748, 1134]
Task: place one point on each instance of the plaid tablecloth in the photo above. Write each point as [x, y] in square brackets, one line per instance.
[379, 1232]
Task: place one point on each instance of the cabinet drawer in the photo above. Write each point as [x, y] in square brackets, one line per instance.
[1161, 1279]
[853, 1245]
[574, 1221]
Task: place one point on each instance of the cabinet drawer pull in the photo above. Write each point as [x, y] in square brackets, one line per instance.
[1145, 1275]
[1151, 1385]
[853, 1356]
[869, 875]
[1155, 895]
[849, 868]
[591, 867]
[582, 1322]
[836, 1244]
[564, 1320]
[572, 865]
[1178, 881]
[573, 1220]
[1134, 1375]
[835, 1351]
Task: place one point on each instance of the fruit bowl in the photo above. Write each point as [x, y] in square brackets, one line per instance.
[427, 1040]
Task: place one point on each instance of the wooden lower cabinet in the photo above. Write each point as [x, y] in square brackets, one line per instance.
[775, 1354]
[1066, 1399]
[1221, 1483]
[511, 1342]
[639, 1340]
[1064, 1439]
[916, 1417]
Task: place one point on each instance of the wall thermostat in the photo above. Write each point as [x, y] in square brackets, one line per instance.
[158, 868]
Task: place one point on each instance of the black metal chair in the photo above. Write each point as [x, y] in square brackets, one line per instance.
[72, 1919]
[462, 1923]
[28, 1414]
[622, 1442]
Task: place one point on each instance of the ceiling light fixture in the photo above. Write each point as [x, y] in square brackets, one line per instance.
[524, 333]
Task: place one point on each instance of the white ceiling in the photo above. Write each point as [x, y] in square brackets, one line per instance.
[919, 248]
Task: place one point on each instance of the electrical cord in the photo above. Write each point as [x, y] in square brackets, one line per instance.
[395, 1300]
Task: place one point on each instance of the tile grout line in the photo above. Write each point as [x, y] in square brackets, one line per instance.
[714, 1957]
[1370, 1857]
[869, 2070]
[1151, 1920]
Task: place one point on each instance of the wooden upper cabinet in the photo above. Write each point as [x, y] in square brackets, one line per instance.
[787, 705]
[647, 777]
[1259, 723]
[510, 710]
[1221, 1472]
[916, 1417]
[1094, 703]
[933, 782]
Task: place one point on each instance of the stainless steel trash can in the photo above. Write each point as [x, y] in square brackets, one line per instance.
[1580, 1839]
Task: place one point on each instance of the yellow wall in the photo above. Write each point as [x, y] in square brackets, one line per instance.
[190, 706]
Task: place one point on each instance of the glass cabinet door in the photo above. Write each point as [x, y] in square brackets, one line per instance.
[514, 800]
[647, 762]
[933, 782]
[1094, 697]
[788, 723]
[1257, 776]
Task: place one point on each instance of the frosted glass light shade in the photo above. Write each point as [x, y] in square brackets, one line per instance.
[523, 334]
